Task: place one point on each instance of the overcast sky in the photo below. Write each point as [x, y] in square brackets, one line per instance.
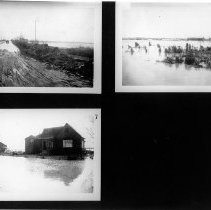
[167, 20]
[17, 124]
[55, 21]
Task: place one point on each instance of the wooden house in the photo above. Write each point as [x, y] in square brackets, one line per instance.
[63, 140]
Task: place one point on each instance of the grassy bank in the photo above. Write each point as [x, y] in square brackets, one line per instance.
[21, 71]
[77, 61]
[197, 57]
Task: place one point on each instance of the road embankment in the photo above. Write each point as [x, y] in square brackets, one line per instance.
[17, 70]
[73, 61]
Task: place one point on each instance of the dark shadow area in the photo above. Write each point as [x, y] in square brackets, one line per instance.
[159, 151]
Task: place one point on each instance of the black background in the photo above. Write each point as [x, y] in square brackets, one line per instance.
[156, 147]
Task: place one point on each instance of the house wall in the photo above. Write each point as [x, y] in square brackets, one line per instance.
[2, 149]
[60, 150]
[35, 146]
[29, 146]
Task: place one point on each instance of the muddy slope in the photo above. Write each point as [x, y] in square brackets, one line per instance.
[20, 71]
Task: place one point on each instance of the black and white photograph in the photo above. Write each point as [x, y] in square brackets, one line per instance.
[163, 47]
[50, 47]
[50, 154]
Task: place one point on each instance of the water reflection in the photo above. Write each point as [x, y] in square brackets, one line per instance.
[21, 175]
[159, 50]
[66, 175]
[177, 65]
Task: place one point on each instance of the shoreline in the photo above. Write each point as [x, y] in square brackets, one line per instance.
[54, 157]
[168, 39]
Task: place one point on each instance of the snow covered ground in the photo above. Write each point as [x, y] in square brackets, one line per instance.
[9, 47]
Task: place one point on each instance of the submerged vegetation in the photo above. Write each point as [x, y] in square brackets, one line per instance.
[78, 61]
[197, 57]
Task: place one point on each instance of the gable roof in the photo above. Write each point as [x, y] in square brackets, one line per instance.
[30, 137]
[62, 132]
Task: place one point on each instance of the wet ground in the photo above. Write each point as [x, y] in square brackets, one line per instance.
[36, 178]
[144, 65]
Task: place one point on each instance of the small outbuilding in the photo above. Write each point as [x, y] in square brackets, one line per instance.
[3, 147]
[63, 140]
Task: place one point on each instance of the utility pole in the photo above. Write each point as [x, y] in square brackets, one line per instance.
[35, 30]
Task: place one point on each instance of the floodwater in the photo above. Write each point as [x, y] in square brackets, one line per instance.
[70, 44]
[143, 67]
[9, 47]
[35, 177]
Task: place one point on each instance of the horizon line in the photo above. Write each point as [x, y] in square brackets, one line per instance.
[48, 40]
[137, 37]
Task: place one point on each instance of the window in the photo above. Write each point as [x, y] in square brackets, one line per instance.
[67, 143]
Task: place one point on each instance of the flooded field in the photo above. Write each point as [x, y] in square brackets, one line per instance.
[144, 66]
[44, 179]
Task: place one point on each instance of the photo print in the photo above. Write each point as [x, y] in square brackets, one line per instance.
[163, 47]
[50, 154]
[50, 47]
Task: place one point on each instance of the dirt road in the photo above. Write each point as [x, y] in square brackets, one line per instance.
[20, 71]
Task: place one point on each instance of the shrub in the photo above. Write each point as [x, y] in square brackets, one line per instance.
[59, 58]
[189, 60]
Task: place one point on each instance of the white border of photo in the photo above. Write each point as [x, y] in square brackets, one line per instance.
[97, 80]
[124, 5]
